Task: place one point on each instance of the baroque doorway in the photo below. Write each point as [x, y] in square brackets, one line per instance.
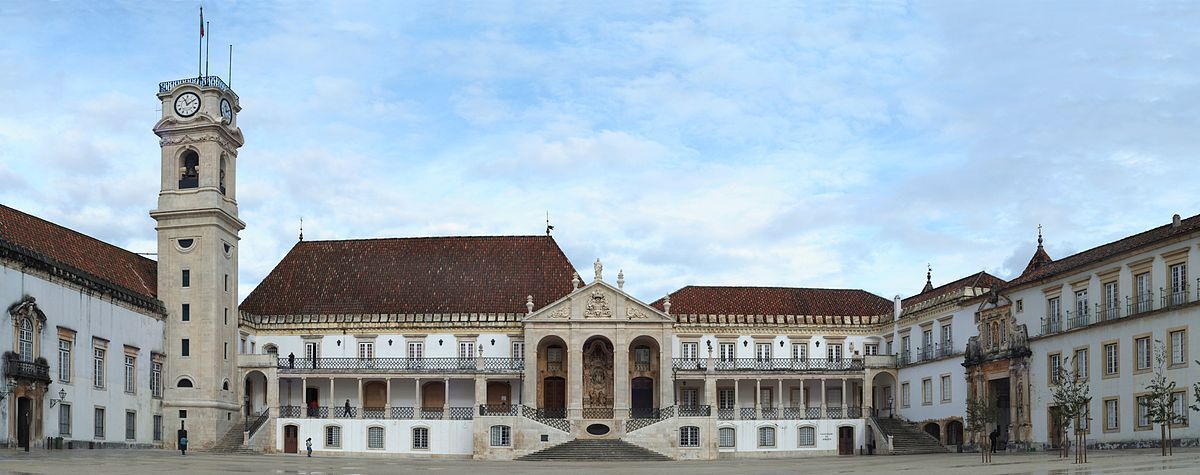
[598, 374]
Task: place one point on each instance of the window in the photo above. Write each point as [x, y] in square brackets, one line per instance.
[799, 351]
[725, 436]
[99, 419]
[889, 347]
[184, 383]
[947, 336]
[98, 368]
[927, 342]
[766, 436]
[725, 398]
[1144, 353]
[416, 350]
[727, 351]
[1084, 420]
[1179, 407]
[501, 436]
[807, 437]
[765, 397]
[554, 354]
[227, 315]
[904, 395]
[834, 351]
[366, 349]
[226, 354]
[1178, 347]
[1112, 359]
[271, 350]
[156, 379]
[762, 351]
[1141, 283]
[1081, 304]
[466, 349]
[945, 388]
[1178, 285]
[926, 391]
[185, 347]
[227, 282]
[518, 350]
[1054, 367]
[1112, 415]
[641, 356]
[158, 428]
[1054, 314]
[689, 436]
[333, 437]
[186, 279]
[1112, 299]
[375, 437]
[185, 313]
[26, 336]
[1143, 411]
[64, 361]
[1020, 305]
[1081, 363]
[689, 350]
[905, 345]
[225, 385]
[871, 349]
[130, 374]
[420, 438]
[64, 419]
[130, 425]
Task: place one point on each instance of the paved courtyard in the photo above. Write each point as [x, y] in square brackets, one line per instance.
[97, 462]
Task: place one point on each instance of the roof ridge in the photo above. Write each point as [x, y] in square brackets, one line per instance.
[85, 235]
[418, 238]
[772, 287]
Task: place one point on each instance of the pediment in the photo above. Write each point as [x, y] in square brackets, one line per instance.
[598, 302]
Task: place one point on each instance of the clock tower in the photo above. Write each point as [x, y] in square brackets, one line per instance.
[198, 225]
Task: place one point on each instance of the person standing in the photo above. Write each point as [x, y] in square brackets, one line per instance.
[292, 360]
[348, 410]
[183, 445]
[308, 443]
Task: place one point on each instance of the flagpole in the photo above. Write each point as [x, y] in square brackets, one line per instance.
[229, 77]
[200, 55]
[207, 40]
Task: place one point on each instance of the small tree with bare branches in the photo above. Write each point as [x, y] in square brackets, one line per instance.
[1071, 395]
[1159, 402]
[980, 414]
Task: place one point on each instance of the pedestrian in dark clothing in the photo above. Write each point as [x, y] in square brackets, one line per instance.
[292, 360]
[183, 445]
[348, 409]
[995, 437]
[309, 444]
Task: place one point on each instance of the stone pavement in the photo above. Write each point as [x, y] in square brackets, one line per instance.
[100, 462]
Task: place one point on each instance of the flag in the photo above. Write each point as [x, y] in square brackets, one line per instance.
[202, 22]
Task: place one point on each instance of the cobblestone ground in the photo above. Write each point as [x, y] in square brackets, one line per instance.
[98, 462]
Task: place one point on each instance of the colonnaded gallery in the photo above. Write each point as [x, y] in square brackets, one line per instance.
[497, 347]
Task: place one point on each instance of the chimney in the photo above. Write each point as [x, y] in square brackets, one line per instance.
[896, 308]
[1175, 221]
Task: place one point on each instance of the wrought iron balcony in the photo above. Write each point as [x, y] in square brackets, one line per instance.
[771, 364]
[374, 413]
[401, 365]
[202, 81]
[644, 413]
[689, 364]
[1112, 312]
[1052, 324]
[289, 411]
[461, 413]
[1175, 296]
[37, 370]
[1142, 303]
[1080, 319]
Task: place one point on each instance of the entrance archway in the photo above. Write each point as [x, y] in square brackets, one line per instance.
[954, 433]
[597, 373]
[934, 430]
[883, 397]
[552, 363]
[845, 440]
[290, 439]
[641, 397]
[255, 387]
[644, 361]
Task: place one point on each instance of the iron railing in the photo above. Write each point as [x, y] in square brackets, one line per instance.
[433, 413]
[695, 411]
[1104, 314]
[319, 412]
[1142, 303]
[202, 81]
[1080, 319]
[853, 412]
[374, 413]
[833, 412]
[725, 413]
[402, 413]
[253, 425]
[289, 411]
[1052, 324]
[402, 365]
[635, 423]
[690, 364]
[497, 410]
[597, 413]
[461, 413]
[1174, 296]
[769, 413]
[770, 364]
[645, 413]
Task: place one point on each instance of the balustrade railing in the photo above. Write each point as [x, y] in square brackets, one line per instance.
[461, 413]
[38, 370]
[748, 414]
[770, 364]
[342, 412]
[1104, 314]
[252, 425]
[497, 410]
[202, 81]
[853, 412]
[402, 365]
[289, 411]
[597, 413]
[319, 412]
[539, 415]
[833, 412]
[1174, 296]
[769, 413]
[402, 413]
[1139, 303]
[641, 366]
[812, 413]
[695, 411]
[725, 413]
[374, 413]
[644, 413]
[690, 364]
[433, 413]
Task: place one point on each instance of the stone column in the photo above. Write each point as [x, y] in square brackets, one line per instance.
[737, 402]
[620, 377]
[362, 403]
[529, 380]
[575, 378]
[757, 396]
[303, 395]
[480, 391]
[845, 396]
[273, 394]
[445, 398]
[824, 400]
[868, 394]
[332, 402]
[710, 394]
[779, 399]
[387, 398]
[664, 371]
[417, 403]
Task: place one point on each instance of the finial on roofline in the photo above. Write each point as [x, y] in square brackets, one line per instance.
[1039, 236]
[621, 279]
[302, 228]
[529, 304]
[548, 226]
[667, 304]
[599, 268]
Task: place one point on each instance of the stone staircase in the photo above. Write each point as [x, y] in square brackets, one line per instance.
[907, 439]
[231, 443]
[582, 450]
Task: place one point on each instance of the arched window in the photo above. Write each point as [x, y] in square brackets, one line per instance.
[766, 436]
[689, 436]
[995, 334]
[420, 438]
[807, 437]
[184, 383]
[333, 437]
[221, 177]
[26, 339]
[726, 437]
[189, 170]
[375, 437]
[501, 436]
[225, 385]
[271, 349]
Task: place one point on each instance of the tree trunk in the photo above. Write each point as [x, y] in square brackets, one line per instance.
[1170, 440]
[1162, 430]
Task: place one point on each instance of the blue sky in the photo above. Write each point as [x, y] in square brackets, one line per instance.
[738, 143]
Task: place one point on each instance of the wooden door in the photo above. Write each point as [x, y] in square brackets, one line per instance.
[845, 441]
[554, 394]
[289, 439]
[24, 416]
[641, 392]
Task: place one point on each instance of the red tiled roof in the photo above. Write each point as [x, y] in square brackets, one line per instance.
[1100, 253]
[775, 301]
[435, 275]
[1040, 258]
[92, 258]
[981, 279]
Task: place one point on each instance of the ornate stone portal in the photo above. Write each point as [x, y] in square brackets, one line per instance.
[598, 374]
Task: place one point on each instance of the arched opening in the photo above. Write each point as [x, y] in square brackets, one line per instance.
[433, 398]
[189, 169]
[644, 362]
[271, 350]
[883, 394]
[934, 431]
[954, 433]
[184, 383]
[552, 364]
[499, 396]
[225, 385]
[598, 377]
[255, 393]
[221, 176]
[374, 398]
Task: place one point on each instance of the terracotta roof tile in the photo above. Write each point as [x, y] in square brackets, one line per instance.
[434, 275]
[775, 301]
[981, 279]
[95, 259]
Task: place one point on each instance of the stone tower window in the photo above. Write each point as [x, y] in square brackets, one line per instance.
[222, 175]
[189, 170]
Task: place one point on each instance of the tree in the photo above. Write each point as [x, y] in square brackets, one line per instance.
[1159, 402]
[980, 413]
[1071, 395]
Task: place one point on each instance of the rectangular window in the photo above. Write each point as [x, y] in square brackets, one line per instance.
[186, 279]
[1054, 367]
[1081, 363]
[420, 438]
[1179, 407]
[688, 397]
[946, 388]
[947, 336]
[518, 350]
[726, 436]
[927, 391]
[807, 437]
[1112, 358]
[1144, 353]
[1081, 303]
[905, 346]
[799, 351]
[1141, 283]
[312, 350]
[689, 349]
[64, 419]
[725, 398]
[98, 368]
[1178, 294]
[366, 349]
[1054, 314]
[227, 282]
[1143, 411]
[226, 315]
[226, 353]
[766, 436]
[130, 374]
[904, 395]
[871, 349]
[185, 347]
[1112, 416]
[130, 425]
[375, 437]
[1112, 299]
[762, 351]
[689, 436]
[466, 349]
[1020, 305]
[765, 397]
[835, 351]
[889, 347]
[727, 351]
[641, 355]
[333, 437]
[158, 428]
[99, 420]
[1178, 347]
[185, 313]
[416, 350]
[156, 379]
[554, 354]
[927, 340]
[64, 361]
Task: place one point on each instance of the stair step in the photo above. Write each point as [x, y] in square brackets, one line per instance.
[592, 449]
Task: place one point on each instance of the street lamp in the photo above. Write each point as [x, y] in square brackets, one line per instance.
[62, 397]
[8, 389]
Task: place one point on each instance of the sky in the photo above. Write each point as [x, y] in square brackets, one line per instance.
[807, 144]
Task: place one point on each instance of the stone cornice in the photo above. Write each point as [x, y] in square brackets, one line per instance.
[59, 273]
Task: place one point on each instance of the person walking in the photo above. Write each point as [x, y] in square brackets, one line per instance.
[183, 445]
[292, 360]
[308, 443]
[348, 409]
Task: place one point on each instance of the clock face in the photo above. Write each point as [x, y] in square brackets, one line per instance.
[187, 104]
[226, 111]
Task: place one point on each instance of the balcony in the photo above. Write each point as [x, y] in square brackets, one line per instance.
[695, 411]
[789, 365]
[1112, 312]
[203, 81]
[935, 352]
[398, 413]
[37, 370]
[1174, 297]
[401, 365]
[1141, 304]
